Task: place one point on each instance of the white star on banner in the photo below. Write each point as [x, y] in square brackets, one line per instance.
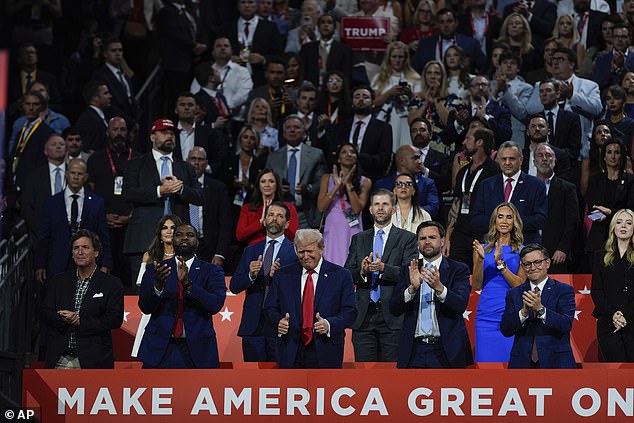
[125, 315]
[479, 292]
[226, 314]
[466, 314]
[230, 294]
[585, 290]
[577, 312]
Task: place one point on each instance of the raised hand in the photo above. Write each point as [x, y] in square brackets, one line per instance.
[255, 266]
[477, 247]
[415, 278]
[183, 274]
[276, 265]
[365, 264]
[321, 325]
[283, 325]
[497, 255]
[161, 272]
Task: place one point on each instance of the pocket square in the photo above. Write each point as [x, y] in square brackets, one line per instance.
[98, 295]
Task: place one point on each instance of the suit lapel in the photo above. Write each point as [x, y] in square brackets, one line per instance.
[367, 245]
[150, 165]
[297, 291]
[322, 281]
[392, 240]
[546, 294]
[87, 205]
[519, 187]
[94, 287]
[304, 158]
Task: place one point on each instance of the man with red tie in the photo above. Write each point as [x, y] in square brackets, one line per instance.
[181, 294]
[313, 303]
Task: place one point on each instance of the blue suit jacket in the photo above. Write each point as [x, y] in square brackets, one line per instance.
[54, 234]
[453, 331]
[529, 197]
[551, 336]
[206, 298]
[603, 73]
[427, 192]
[427, 51]
[334, 301]
[253, 322]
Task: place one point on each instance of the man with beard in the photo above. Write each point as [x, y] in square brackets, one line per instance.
[106, 168]
[375, 258]
[432, 293]
[74, 144]
[253, 275]
[182, 294]
[436, 165]
[156, 184]
[372, 137]
[458, 241]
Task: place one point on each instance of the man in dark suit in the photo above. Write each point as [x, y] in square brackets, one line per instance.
[156, 184]
[306, 105]
[182, 294]
[562, 222]
[311, 302]
[539, 314]
[257, 267]
[526, 192]
[64, 214]
[541, 16]
[280, 97]
[210, 219]
[372, 137]
[434, 47]
[436, 165]
[611, 66]
[81, 309]
[375, 258]
[482, 26]
[432, 293]
[92, 122]
[325, 55]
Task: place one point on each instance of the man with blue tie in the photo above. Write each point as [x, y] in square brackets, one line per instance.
[432, 293]
[253, 275]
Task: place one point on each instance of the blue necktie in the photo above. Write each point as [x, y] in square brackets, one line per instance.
[165, 171]
[425, 305]
[58, 180]
[375, 292]
[292, 170]
[194, 217]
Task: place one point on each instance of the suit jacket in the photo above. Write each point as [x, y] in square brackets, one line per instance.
[311, 168]
[567, 133]
[603, 73]
[121, 104]
[177, 39]
[551, 336]
[544, 15]
[339, 58]
[216, 220]
[334, 301]
[493, 25]
[206, 298]
[499, 122]
[92, 129]
[139, 187]
[399, 250]
[529, 196]
[15, 88]
[253, 322]
[453, 332]
[37, 189]
[101, 311]
[428, 46]
[439, 167]
[215, 145]
[560, 229]
[563, 168]
[53, 250]
[425, 187]
[32, 156]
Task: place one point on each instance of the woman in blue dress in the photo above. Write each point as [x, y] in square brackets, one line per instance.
[496, 269]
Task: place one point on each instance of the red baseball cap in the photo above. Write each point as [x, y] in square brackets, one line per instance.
[163, 125]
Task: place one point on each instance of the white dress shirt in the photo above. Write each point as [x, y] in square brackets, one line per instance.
[435, 328]
[51, 172]
[68, 200]
[159, 164]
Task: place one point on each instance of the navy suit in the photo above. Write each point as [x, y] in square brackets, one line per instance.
[253, 323]
[499, 122]
[529, 196]
[552, 336]
[334, 301]
[453, 332]
[428, 46]
[206, 298]
[426, 188]
[603, 73]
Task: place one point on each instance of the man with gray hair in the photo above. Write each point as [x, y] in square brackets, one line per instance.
[312, 302]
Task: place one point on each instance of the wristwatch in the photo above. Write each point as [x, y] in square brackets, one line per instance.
[501, 267]
[541, 311]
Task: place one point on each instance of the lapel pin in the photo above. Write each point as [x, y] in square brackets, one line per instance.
[325, 275]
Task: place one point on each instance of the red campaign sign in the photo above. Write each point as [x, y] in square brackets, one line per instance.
[362, 33]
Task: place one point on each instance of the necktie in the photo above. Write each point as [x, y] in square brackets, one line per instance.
[357, 131]
[246, 32]
[74, 212]
[292, 170]
[165, 171]
[124, 83]
[58, 180]
[375, 292]
[27, 81]
[551, 125]
[308, 309]
[425, 305]
[267, 263]
[178, 324]
[534, 355]
[194, 217]
[220, 104]
[507, 189]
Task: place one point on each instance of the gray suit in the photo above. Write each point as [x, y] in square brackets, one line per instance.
[312, 166]
[399, 250]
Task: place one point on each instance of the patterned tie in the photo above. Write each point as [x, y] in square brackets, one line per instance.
[425, 305]
[124, 84]
[267, 263]
[58, 180]
[292, 170]
[165, 171]
[355, 135]
[375, 292]
[534, 355]
[308, 309]
[507, 189]
[194, 216]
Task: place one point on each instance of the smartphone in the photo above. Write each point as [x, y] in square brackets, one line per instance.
[596, 216]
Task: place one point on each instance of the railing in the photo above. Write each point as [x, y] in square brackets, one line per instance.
[150, 101]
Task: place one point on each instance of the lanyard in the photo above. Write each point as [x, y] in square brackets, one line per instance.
[475, 179]
[486, 26]
[25, 136]
[112, 166]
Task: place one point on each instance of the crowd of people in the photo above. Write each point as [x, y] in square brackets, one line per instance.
[491, 138]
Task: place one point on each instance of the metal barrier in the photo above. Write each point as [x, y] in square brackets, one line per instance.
[150, 101]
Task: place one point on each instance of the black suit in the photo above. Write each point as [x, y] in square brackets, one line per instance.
[16, 91]
[567, 134]
[493, 25]
[339, 58]
[214, 143]
[563, 168]
[562, 222]
[439, 166]
[92, 129]
[121, 104]
[542, 22]
[101, 311]
[216, 221]
[37, 189]
[32, 156]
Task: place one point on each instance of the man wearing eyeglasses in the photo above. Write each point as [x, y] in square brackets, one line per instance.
[611, 66]
[539, 314]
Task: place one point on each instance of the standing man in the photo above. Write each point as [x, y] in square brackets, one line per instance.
[537, 131]
[375, 258]
[432, 293]
[312, 302]
[92, 122]
[182, 294]
[81, 308]
[253, 275]
[436, 165]
[156, 184]
[539, 314]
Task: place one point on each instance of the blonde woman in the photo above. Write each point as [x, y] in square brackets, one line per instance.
[432, 99]
[260, 116]
[566, 32]
[516, 32]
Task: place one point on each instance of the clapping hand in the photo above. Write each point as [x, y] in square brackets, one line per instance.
[478, 248]
[255, 266]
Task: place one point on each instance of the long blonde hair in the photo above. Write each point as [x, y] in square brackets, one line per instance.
[611, 245]
[384, 74]
[528, 34]
[269, 115]
[517, 237]
[568, 42]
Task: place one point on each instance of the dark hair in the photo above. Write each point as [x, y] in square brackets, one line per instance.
[306, 87]
[488, 139]
[256, 198]
[623, 161]
[510, 55]
[534, 247]
[38, 81]
[281, 204]
[463, 76]
[344, 101]
[618, 92]
[275, 61]
[423, 120]
[40, 97]
[71, 130]
[416, 213]
[355, 178]
[552, 81]
[364, 87]
[383, 191]
[185, 94]
[621, 25]
[300, 70]
[429, 224]
[106, 44]
[85, 233]
[156, 250]
[445, 11]
[91, 89]
[570, 55]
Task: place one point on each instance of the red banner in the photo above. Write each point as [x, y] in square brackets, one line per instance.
[363, 33]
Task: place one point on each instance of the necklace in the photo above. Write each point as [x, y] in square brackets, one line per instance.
[168, 254]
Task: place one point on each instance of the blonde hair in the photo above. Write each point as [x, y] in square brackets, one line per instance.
[383, 77]
[269, 114]
[528, 34]
[575, 34]
[611, 245]
[517, 237]
[432, 7]
[443, 83]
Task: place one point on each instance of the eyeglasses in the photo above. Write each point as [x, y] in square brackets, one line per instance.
[536, 263]
[559, 59]
[400, 184]
[333, 80]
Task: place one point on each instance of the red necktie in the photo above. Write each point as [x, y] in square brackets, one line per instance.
[308, 309]
[246, 31]
[178, 325]
[507, 189]
[220, 105]
[534, 355]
